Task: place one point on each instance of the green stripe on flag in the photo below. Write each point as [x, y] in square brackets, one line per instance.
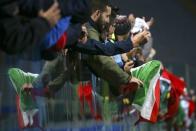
[145, 73]
[18, 79]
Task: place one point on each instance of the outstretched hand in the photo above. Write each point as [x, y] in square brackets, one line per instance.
[140, 38]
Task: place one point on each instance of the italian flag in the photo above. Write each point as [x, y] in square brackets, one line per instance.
[165, 86]
[27, 110]
[165, 76]
[177, 89]
[85, 93]
[147, 97]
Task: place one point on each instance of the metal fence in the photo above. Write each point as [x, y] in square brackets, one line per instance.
[63, 113]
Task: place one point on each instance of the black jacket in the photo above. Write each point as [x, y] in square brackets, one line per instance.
[18, 33]
[79, 9]
[94, 47]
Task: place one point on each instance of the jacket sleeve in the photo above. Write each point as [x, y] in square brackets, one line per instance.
[68, 7]
[16, 35]
[105, 67]
[58, 82]
[94, 47]
[56, 33]
[53, 74]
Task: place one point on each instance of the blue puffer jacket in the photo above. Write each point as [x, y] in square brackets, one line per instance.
[54, 35]
[40, 51]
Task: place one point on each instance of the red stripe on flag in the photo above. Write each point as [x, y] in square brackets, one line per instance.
[177, 89]
[155, 111]
[19, 113]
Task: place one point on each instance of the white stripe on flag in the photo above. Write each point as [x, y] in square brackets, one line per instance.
[146, 110]
[25, 118]
[164, 79]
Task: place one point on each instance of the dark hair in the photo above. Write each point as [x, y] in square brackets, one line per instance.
[114, 13]
[122, 25]
[99, 5]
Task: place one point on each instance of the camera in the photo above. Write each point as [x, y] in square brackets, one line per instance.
[137, 62]
[82, 34]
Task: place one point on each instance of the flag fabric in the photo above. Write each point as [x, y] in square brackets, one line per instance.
[165, 87]
[191, 108]
[85, 93]
[147, 97]
[26, 105]
[165, 76]
[177, 89]
[178, 118]
[26, 119]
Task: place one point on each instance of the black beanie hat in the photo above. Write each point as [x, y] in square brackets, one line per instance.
[122, 25]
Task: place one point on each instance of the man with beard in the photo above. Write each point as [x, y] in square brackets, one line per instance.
[104, 66]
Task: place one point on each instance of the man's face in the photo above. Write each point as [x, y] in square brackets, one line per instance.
[106, 15]
[104, 18]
